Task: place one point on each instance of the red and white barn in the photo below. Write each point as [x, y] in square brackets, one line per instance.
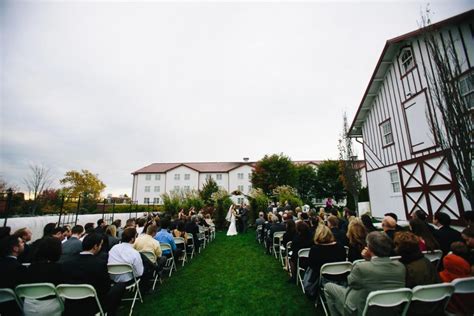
[406, 168]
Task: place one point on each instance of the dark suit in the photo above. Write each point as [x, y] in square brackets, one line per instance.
[193, 228]
[90, 269]
[244, 213]
[446, 236]
[12, 274]
[70, 248]
[340, 236]
[276, 227]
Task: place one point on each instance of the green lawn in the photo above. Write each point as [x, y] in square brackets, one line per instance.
[232, 276]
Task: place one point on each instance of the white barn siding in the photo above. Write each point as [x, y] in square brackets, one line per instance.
[382, 200]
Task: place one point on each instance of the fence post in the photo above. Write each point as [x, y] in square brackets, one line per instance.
[113, 210]
[61, 210]
[8, 206]
[77, 209]
[103, 209]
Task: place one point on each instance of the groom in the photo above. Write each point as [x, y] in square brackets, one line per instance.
[243, 217]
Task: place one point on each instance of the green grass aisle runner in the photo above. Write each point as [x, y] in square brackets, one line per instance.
[232, 276]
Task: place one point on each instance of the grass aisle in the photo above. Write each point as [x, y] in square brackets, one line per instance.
[232, 276]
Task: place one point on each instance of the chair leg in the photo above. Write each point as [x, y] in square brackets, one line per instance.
[322, 302]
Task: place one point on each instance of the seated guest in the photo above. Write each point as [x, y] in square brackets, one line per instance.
[180, 231]
[44, 268]
[356, 233]
[73, 245]
[398, 228]
[369, 225]
[111, 233]
[455, 263]
[325, 249]
[88, 268]
[301, 240]
[125, 253]
[289, 232]
[426, 240]
[25, 234]
[66, 233]
[192, 227]
[147, 242]
[276, 226]
[163, 236]
[209, 221]
[419, 270]
[141, 225]
[101, 226]
[261, 219]
[118, 224]
[377, 273]
[12, 270]
[445, 235]
[333, 224]
[468, 236]
[389, 226]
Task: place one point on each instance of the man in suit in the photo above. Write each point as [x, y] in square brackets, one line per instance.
[276, 226]
[88, 268]
[12, 270]
[445, 235]
[73, 245]
[377, 273]
[244, 213]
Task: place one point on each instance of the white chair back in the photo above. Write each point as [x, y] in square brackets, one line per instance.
[79, 292]
[36, 291]
[433, 256]
[432, 292]
[463, 285]
[150, 255]
[388, 298]
[336, 268]
[7, 295]
[303, 253]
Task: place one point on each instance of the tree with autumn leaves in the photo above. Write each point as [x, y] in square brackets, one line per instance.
[82, 184]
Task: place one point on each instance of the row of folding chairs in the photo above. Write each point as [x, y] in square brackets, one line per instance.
[60, 293]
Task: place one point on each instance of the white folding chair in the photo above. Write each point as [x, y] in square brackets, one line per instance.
[79, 292]
[434, 256]
[36, 291]
[190, 245]
[302, 253]
[170, 262]
[331, 269]
[464, 286]
[7, 295]
[395, 258]
[125, 268]
[180, 241]
[287, 255]
[277, 238]
[212, 232]
[152, 257]
[202, 238]
[388, 298]
[427, 299]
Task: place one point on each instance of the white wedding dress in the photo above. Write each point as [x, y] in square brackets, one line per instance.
[232, 231]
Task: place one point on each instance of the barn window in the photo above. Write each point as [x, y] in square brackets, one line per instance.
[406, 60]
[387, 135]
[466, 89]
[394, 181]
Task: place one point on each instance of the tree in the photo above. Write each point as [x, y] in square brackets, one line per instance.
[288, 194]
[82, 184]
[454, 134]
[37, 180]
[306, 183]
[273, 171]
[210, 186]
[329, 181]
[349, 175]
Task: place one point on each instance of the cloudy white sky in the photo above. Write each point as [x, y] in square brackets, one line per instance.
[114, 86]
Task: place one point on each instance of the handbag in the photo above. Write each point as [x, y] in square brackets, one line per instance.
[310, 283]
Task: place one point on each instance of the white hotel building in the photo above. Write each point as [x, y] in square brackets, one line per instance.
[150, 182]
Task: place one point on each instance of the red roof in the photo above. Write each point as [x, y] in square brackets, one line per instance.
[210, 167]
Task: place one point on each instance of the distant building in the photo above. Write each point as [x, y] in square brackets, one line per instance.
[406, 168]
[150, 182]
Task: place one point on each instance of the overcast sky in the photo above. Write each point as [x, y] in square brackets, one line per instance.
[112, 87]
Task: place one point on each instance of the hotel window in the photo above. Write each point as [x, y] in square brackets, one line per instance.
[146, 200]
[240, 176]
[156, 200]
[208, 176]
[387, 135]
[219, 176]
[250, 188]
[157, 176]
[240, 188]
[406, 60]
[240, 200]
[176, 188]
[395, 181]
[186, 188]
[176, 176]
[157, 188]
[147, 188]
[148, 177]
[250, 176]
[466, 89]
[187, 176]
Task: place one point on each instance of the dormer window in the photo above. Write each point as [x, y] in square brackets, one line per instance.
[406, 60]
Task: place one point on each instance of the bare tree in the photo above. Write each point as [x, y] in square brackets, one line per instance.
[349, 174]
[37, 180]
[454, 131]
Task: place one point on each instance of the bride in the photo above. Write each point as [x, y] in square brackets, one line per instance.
[232, 231]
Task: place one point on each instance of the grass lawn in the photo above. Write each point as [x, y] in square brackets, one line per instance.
[232, 276]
